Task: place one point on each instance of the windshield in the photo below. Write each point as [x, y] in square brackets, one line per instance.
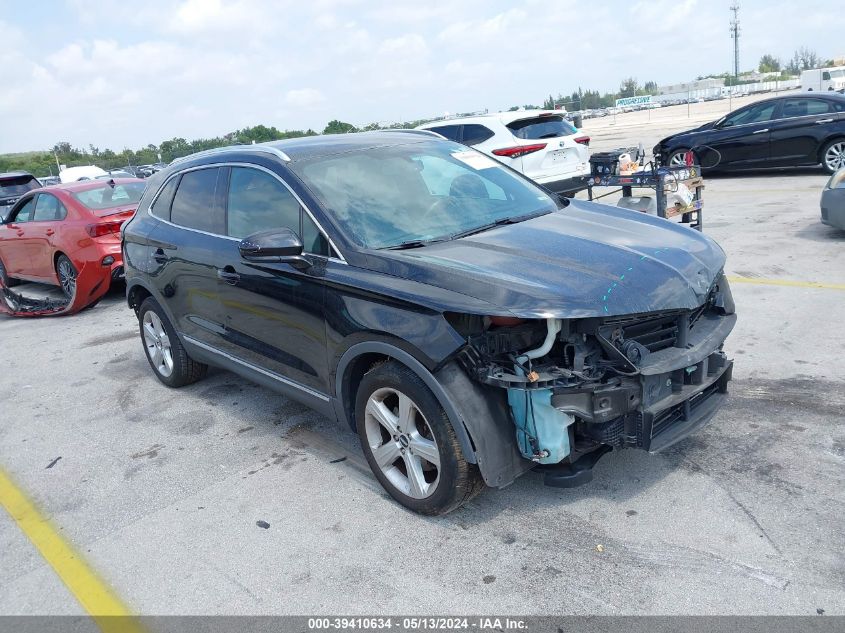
[109, 197]
[17, 186]
[388, 196]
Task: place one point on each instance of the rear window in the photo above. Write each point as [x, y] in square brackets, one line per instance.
[452, 132]
[17, 186]
[541, 127]
[110, 197]
[473, 134]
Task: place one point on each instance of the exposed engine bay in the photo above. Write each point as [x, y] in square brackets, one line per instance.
[576, 386]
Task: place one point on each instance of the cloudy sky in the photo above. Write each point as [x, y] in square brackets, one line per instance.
[126, 73]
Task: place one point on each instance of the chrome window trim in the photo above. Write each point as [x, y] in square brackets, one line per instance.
[320, 228]
[261, 370]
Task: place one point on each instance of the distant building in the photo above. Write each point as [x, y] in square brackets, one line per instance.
[691, 86]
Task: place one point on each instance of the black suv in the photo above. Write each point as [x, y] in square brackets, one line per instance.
[468, 325]
[13, 185]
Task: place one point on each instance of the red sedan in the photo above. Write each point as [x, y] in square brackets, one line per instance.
[52, 233]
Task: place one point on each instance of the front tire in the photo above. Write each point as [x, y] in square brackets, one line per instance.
[678, 158]
[833, 155]
[165, 353]
[409, 442]
[4, 277]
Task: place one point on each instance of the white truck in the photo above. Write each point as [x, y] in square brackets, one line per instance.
[820, 79]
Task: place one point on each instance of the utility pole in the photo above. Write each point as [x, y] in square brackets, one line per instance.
[735, 31]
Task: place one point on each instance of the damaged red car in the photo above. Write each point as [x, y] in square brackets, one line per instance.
[53, 235]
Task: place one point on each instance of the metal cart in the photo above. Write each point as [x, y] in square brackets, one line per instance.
[663, 180]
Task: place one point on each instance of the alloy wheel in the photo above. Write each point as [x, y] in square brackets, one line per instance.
[834, 157]
[157, 343]
[678, 159]
[402, 443]
[67, 277]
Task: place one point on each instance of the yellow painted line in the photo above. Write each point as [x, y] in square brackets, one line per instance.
[91, 591]
[785, 282]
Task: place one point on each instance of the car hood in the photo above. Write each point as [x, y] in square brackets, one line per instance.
[585, 260]
[702, 128]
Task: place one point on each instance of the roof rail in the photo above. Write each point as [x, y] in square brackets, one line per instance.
[413, 131]
[259, 147]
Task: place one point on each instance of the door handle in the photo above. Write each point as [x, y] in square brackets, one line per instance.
[50, 232]
[20, 233]
[159, 255]
[228, 275]
[823, 121]
[761, 131]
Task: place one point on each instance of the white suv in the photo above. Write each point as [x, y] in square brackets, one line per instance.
[539, 143]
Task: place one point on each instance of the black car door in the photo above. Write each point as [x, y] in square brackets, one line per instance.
[799, 131]
[187, 250]
[272, 313]
[742, 137]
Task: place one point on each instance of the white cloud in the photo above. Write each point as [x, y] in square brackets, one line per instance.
[304, 98]
[138, 73]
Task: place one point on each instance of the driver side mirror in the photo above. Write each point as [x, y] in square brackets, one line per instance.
[275, 245]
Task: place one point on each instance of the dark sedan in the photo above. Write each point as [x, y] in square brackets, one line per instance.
[465, 323]
[786, 131]
[833, 201]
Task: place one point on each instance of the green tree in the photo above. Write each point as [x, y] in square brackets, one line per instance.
[629, 87]
[769, 64]
[339, 127]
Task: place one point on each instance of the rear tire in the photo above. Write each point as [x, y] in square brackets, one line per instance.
[833, 155]
[164, 351]
[410, 444]
[67, 273]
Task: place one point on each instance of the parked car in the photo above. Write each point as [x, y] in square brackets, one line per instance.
[52, 233]
[48, 181]
[83, 172]
[465, 323]
[115, 173]
[833, 201]
[785, 131]
[13, 185]
[145, 171]
[541, 144]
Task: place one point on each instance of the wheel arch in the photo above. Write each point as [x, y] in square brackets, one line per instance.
[839, 136]
[359, 358]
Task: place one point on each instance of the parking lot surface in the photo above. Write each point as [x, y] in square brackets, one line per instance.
[161, 490]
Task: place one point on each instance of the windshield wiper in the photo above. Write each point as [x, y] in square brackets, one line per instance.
[412, 244]
[493, 225]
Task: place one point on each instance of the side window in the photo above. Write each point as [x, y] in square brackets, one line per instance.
[452, 132]
[24, 214]
[817, 106]
[161, 207]
[312, 240]
[752, 114]
[258, 202]
[826, 76]
[804, 107]
[474, 134]
[48, 208]
[194, 203]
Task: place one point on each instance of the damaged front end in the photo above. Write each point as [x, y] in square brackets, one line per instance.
[577, 388]
[92, 282]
